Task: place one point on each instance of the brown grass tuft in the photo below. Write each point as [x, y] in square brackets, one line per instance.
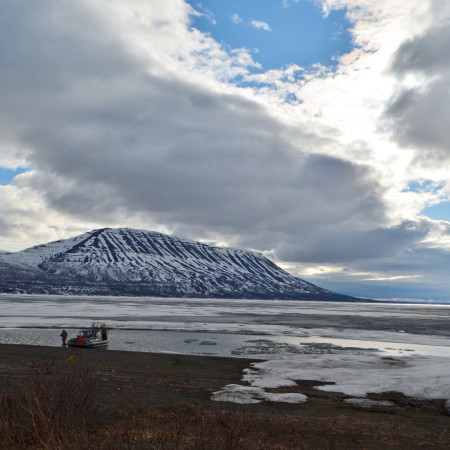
[54, 405]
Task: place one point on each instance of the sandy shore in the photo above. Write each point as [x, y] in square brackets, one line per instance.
[168, 381]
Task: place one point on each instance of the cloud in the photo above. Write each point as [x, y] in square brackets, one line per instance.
[204, 12]
[260, 25]
[130, 117]
[204, 162]
[178, 152]
[235, 18]
[26, 219]
[419, 113]
[288, 3]
[414, 267]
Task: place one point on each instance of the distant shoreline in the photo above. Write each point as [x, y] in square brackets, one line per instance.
[356, 299]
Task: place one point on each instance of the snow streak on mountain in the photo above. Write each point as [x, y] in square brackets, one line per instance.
[126, 261]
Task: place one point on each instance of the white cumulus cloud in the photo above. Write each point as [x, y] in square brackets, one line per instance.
[235, 18]
[260, 25]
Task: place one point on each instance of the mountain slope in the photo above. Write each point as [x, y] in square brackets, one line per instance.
[136, 262]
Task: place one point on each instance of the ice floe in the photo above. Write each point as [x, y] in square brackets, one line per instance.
[236, 393]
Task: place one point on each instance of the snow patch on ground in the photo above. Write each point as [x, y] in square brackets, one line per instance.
[236, 393]
[354, 375]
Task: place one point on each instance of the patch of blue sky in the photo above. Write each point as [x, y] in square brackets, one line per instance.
[440, 211]
[420, 186]
[277, 33]
[7, 175]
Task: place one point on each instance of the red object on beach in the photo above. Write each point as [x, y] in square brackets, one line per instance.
[81, 341]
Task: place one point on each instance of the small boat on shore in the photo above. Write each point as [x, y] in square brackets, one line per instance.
[95, 336]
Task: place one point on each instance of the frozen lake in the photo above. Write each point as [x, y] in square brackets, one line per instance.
[231, 327]
[350, 344]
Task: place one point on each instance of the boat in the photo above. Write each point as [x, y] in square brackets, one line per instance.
[95, 336]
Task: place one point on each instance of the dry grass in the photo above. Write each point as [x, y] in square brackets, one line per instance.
[61, 405]
[184, 428]
[67, 404]
[52, 406]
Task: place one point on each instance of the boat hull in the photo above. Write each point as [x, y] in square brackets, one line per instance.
[94, 344]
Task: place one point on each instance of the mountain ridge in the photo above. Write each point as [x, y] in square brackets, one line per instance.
[126, 261]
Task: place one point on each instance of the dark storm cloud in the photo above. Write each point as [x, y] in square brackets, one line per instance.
[428, 53]
[414, 268]
[424, 268]
[350, 243]
[225, 167]
[111, 138]
[420, 115]
[420, 119]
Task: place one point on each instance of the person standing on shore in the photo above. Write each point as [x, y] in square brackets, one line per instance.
[64, 338]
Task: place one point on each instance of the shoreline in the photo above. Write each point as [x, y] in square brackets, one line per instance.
[101, 355]
[58, 327]
[227, 369]
[373, 301]
[167, 383]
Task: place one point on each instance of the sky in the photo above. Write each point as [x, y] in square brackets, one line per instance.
[313, 131]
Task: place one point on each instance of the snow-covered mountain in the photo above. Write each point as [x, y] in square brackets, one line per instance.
[126, 261]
